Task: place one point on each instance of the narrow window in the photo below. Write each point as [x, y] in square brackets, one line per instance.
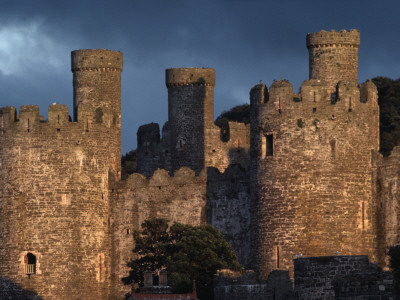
[315, 98]
[58, 119]
[100, 269]
[87, 125]
[350, 108]
[269, 145]
[30, 264]
[363, 215]
[128, 231]
[277, 257]
[27, 125]
[279, 105]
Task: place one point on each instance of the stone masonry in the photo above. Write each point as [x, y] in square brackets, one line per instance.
[305, 177]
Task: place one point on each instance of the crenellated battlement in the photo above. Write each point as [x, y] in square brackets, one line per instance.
[30, 120]
[314, 97]
[342, 38]
[162, 178]
[96, 60]
[189, 76]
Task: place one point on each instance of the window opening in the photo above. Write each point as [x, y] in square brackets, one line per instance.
[350, 108]
[363, 215]
[58, 119]
[30, 264]
[277, 257]
[100, 261]
[314, 109]
[269, 141]
[27, 124]
[315, 100]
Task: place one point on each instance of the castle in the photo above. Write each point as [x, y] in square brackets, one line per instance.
[304, 177]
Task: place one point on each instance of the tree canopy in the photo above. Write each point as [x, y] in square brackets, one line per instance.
[128, 164]
[389, 106]
[187, 252]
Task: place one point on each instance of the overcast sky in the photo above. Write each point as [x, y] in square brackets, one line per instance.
[244, 41]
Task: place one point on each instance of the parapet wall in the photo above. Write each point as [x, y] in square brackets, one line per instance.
[189, 76]
[333, 38]
[313, 276]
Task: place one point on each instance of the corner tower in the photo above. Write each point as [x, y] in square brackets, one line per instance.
[190, 114]
[55, 187]
[311, 165]
[333, 56]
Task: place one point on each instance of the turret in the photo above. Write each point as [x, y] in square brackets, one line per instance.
[190, 113]
[333, 56]
[97, 85]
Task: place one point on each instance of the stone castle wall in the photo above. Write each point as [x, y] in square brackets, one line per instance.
[228, 207]
[314, 276]
[314, 169]
[178, 198]
[387, 193]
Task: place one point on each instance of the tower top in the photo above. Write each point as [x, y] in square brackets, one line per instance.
[189, 76]
[96, 59]
[341, 38]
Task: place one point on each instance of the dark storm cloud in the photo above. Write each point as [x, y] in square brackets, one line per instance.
[245, 41]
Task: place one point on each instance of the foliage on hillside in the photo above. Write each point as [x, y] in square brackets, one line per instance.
[239, 113]
[128, 164]
[389, 105]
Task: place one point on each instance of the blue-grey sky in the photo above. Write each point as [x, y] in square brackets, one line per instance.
[244, 40]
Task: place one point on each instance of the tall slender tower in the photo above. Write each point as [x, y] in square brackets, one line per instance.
[334, 56]
[190, 113]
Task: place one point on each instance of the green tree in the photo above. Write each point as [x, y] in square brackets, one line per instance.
[389, 107]
[150, 250]
[239, 113]
[128, 164]
[187, 252]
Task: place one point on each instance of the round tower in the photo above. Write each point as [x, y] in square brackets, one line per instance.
[312, 173]
[56, 185]
[333, 56]
[97, 92]
[97, 83]
[190, 113]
